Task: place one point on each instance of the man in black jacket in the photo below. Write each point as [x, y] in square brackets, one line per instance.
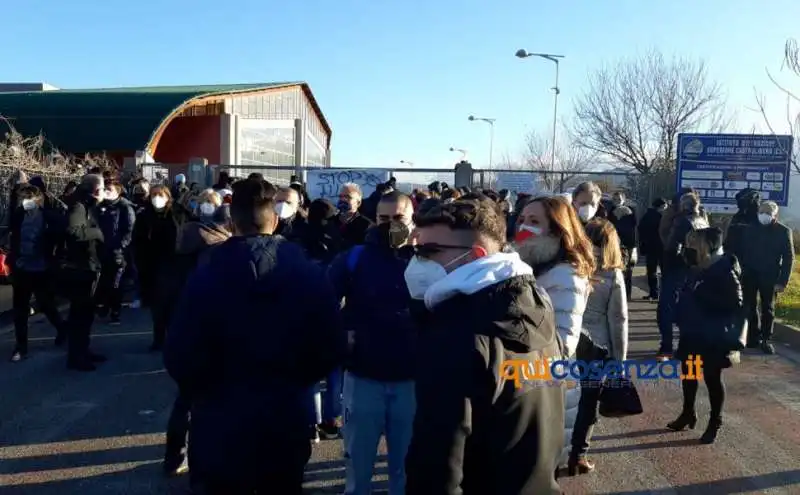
[767, 266]
[476, 431]
[650, 245]
[623, 217]
[82, 269]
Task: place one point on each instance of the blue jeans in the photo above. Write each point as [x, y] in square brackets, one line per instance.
[372, 409]
[326, 407]
[666, 313]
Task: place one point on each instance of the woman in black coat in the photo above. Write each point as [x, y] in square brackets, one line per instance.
[155, 236]
[709, 307]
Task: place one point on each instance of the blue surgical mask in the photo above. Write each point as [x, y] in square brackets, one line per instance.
[344, 206]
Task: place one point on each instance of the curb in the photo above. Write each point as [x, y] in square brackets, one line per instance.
[787, 334]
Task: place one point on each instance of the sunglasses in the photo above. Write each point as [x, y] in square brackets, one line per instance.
[428, 249]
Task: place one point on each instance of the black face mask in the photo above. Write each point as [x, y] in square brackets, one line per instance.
[691, 256]
[394, 234]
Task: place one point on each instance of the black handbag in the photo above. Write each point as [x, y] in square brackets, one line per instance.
[735, 336]
[619, 398]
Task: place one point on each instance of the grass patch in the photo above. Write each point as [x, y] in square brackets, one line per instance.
[788, 305]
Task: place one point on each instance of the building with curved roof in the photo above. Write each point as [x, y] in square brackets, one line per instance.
[236, 124]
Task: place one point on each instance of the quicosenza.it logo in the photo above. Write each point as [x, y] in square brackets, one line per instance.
[520, 370]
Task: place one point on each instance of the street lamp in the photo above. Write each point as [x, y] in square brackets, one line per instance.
[521, 53]
[463, 152]
[406, 162]
[491, 122]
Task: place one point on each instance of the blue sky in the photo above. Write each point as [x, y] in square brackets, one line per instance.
[397, 79]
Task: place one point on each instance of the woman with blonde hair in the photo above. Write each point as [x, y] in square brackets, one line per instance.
[562, 260]
[709, 309]
[604, 334]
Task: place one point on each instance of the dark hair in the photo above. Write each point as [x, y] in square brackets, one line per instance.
[116, 185]
[252, 206]
[396, 197]
[256, 176]
[28, 191]
[659, 202]
[476, 216]
[451, 194]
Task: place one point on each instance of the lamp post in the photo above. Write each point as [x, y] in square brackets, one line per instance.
[406, 162]
[521, 53]
[491, 122]
[459, 150]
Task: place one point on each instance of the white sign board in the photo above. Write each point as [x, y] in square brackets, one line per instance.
[326, 183]
[517, 182]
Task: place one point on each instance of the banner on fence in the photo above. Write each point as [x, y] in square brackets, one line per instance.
[326, 183]
[720, 165]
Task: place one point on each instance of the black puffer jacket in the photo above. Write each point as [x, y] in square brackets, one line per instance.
[710, 300]
[474, 431]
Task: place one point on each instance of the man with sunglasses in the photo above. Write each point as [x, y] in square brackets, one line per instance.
[378, 384]
[478, 307]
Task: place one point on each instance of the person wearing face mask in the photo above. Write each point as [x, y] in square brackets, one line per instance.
[292, 223]
[154, 239]
[687, 219]
[196, 243]
[604, 335]
[650, 244]
[562, 259]
[586, 201]
[352, 224]
[766, 268]
[623, 216]
[474, 430]
[378, 384]
[34, 233]
[709, 303]
[116, 218]
[248, 377]
[81, 270]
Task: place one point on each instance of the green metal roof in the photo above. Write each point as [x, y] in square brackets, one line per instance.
[106, 119]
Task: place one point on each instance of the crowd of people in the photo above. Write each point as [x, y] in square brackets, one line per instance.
[405, 306]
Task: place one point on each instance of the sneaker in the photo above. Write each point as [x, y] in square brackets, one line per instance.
[313, 434]
[18, 356]
[768, 348]
[136, 304]
[329, 430]
[175, 467]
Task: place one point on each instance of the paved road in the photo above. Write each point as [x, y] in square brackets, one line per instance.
[67, 433]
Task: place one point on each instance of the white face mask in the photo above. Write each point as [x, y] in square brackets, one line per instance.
[765, 218]
[28, 204]
[284, 210]
[532, 229]
[422, 273]
[207, 209]
[159, 202]
[587, 212]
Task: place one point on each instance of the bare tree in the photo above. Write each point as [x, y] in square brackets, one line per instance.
[633, 111]
[570, 160]
[792, 63]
